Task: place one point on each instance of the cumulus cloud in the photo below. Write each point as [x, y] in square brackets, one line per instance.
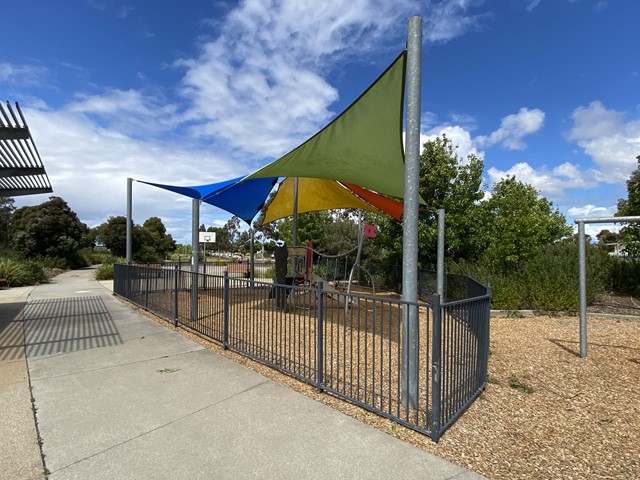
[266, 71]
[551, 182]
[460, 137]
[513, 128]
[612, 141]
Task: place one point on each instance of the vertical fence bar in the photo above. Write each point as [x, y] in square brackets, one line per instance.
[435, 367]
[147, 288]
[225, 310]
[175, 296]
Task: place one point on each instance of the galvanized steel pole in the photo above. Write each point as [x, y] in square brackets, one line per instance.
[195, 253]
[410, 330]
[582, 266]
[129, 238]
[582, 274]
[440, 256]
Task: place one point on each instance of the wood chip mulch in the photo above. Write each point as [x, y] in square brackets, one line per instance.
[546, 413]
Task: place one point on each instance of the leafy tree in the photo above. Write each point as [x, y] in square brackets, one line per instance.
[311, 226]
[155, 236]
[630, 234]
[6, 209]
[150, 243]
[451, 183]
[521, 223]
[50, 229]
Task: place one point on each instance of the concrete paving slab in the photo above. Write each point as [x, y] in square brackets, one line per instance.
[246, 437]
[135, 350]
[112, 405]
[19, 451]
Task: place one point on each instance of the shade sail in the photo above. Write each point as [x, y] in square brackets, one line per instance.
[316, 194]
[243, 199]
[362, 146]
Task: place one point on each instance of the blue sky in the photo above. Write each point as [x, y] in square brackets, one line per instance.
[197, 92]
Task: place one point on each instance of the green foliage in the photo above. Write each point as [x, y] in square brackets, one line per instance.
[521, 224]
[19, 273]
[311, 226]
[6, 209]
[452, 183]
[50, 229]
[625, 276]
[104, 272]
[150, 242]
[630, 234]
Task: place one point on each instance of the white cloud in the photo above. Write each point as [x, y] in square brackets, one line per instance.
[513, 128]
[23, 75]
[592, 211]
[460, 138]
[265, 72]
[607, 137]
[552, 182]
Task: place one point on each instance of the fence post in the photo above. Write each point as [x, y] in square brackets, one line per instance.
[320, 338]
[175, 296]
[225, 310]
[146, 289]
[436, 367]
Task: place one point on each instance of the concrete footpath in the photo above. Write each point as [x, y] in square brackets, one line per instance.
[118, 396]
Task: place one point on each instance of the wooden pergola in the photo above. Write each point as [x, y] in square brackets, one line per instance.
[21, 169]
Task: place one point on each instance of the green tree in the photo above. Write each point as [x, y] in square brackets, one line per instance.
[630, 207]
[454, 184]
[150, 242]
[50, 229]
[521, 222]
[6, 209]
[155, 236]
[113, 235]
[311, 226]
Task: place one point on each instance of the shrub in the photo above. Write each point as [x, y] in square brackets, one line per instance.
[104, 272]
[21, 273]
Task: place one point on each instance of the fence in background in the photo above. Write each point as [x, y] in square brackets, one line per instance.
[349, 345]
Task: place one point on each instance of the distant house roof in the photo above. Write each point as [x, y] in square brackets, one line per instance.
[21, 169]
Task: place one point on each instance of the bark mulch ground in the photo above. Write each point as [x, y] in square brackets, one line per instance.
[546, 413]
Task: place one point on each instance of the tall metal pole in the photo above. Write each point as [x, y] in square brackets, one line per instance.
[582, 266]
[440, 256]
[129, 238]
[410, 330]
[251, 255]
[294, 233]
[582, 269]
[195, 253]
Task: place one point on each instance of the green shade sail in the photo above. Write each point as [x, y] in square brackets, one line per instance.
[363, 145]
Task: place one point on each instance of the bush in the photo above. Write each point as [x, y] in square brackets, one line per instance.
[19, 273]
[625, 276]
[104, 272]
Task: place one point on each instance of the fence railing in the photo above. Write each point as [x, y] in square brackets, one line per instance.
[349, 345]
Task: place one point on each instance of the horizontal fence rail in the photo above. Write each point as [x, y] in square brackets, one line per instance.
[346, 344]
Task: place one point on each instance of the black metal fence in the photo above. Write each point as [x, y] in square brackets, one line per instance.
[350, 345]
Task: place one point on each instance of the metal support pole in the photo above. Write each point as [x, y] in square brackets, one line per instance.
[195, 253]
[225, 311]
[582, 265]
[410, 332]
[251, 261]
[320, 338]
[129, 238]
[294, 233]
[436, 367]
[176, 272]
[440, 257]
